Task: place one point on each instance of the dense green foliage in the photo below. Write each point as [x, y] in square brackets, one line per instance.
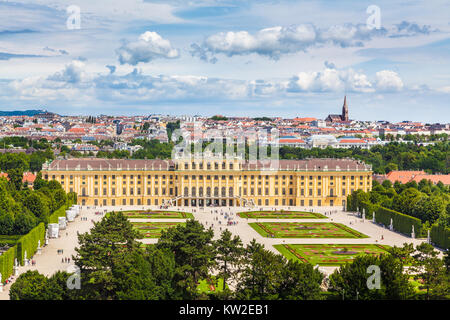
[422, 204]
[219, 118]
[351, 280]
[115, 266]
[7, 262]
[23, 209]
[171, 127]
[25, 162]
[440, 236]
[431, 271]
[400, 222]
[28, 243]
[152, 149]
[392, 156]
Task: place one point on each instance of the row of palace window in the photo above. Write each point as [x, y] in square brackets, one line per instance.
[209, 166]
[130, 202]
[223, 192]
[149, 202]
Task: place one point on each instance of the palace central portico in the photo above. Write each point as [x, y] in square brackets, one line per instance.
[210, 182]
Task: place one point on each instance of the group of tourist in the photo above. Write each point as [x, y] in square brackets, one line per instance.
[65, 260]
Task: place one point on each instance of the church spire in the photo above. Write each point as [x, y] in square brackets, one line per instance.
[344, 116]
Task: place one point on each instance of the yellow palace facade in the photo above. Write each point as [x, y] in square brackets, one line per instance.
[198, 183]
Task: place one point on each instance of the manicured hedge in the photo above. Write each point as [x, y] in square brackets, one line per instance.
[369, 209]
[7, 262]
[350, 203]
[29, 242]
[440, 236]
[61, 212]
[401, 222]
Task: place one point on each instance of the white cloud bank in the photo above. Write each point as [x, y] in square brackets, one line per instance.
[148, 47]
[276, 41]
[73, 83]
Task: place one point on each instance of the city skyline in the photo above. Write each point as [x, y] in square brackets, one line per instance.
[254, 58]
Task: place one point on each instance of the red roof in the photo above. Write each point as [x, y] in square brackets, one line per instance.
[292, 141]
[27, 176]
[76, 130]
[403, 176]
[435, 178]
[352, 141]
[305, 119]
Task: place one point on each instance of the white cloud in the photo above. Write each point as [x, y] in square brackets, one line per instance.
[148, 47]
[276, 41]
[74, 84]
[73, 73]
[387, 80]
[330, 80]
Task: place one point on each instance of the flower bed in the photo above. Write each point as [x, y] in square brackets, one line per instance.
[281, 215]
[329, 254]
[305, 230]
[157, 214]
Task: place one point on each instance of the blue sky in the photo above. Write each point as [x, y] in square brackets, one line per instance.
[244, 58]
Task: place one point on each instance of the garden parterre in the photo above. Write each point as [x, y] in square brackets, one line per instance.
[157, 214]
[305, 230]
[329, 254]
[154, 229]
[281, 215]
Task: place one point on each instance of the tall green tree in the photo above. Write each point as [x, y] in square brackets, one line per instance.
[430, 269]
[261, 276]
[111, 241]
[351, 279]
[229, 257]
[300, 281]
[193, 248]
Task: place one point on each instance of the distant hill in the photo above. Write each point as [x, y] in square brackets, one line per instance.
[28, 113]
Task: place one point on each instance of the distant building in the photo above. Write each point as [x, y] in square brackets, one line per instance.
[28, 178]
[339, 117]
[417, 176]
[46, 115]
[321, 141]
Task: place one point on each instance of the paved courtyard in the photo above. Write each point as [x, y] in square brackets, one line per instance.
[50, 261]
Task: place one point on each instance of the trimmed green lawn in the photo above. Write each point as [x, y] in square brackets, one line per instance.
[328, 254]
[281, 215]
[154, 229]
[305, 230]
[157, 214]
[211, 286]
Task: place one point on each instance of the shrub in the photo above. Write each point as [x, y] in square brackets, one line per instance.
[61, 212]
[29, 242]
[369, 208]
[440, 236]
[7, 262]
[401, 222]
